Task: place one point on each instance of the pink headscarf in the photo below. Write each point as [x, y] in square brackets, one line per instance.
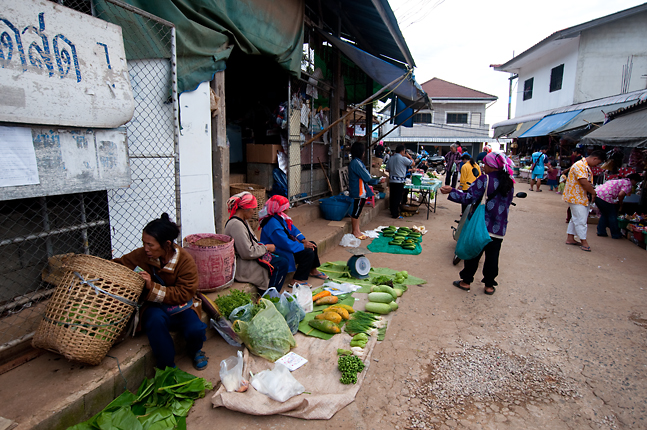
[275, 206]
[499, 161]
[244, 200]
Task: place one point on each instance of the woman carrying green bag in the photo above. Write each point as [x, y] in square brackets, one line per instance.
[500, 191]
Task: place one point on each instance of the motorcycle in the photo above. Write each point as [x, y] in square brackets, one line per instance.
[467, 213]
[437, 163]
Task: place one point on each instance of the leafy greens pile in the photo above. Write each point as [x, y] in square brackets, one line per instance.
[160, 403]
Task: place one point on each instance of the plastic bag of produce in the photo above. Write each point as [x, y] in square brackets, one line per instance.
[278, 383]
[267, 334]
[288, 306]
[243, 313]
[231, 372]
[225, 329]
[304, 296]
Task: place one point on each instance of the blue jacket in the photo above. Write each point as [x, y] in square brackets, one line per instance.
[274, 232]
[358, 178]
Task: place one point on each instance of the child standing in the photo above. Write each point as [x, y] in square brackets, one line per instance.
[552, 176]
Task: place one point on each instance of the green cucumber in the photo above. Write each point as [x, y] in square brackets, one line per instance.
[379, 297]
[394, 306]
[378, 308]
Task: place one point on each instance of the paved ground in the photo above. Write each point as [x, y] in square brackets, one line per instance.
[560, 345]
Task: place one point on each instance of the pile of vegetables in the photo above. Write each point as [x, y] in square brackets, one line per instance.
[361, 322]
[403, 237]
[349, 366]
[228, 302]
[324, 298]
[160, 403]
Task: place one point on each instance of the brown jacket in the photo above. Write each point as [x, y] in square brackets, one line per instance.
[248, 250]
[180, 276]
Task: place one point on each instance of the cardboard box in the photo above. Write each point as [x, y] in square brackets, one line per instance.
[257, 153]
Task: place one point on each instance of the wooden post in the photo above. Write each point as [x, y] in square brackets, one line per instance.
[220, 154]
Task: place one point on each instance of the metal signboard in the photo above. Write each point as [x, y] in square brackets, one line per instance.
[61, 67]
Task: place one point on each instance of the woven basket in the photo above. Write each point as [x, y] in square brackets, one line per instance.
[82, 323]
[257, 191]
[215, 257]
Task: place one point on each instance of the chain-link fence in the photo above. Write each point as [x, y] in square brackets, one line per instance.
[103, 223]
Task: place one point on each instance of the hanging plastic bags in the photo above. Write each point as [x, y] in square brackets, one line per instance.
[267, 334]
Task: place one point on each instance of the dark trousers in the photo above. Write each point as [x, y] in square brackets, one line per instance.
[305, 260]
[280, 271]
[490, 266]
[396, 198]
[608, 218]
[158, 324]
[451, 179]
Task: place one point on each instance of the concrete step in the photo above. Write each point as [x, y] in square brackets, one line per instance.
[61, 393]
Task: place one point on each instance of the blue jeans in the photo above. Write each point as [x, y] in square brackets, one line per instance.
[158, 326]
[608, 218]
[280, 271]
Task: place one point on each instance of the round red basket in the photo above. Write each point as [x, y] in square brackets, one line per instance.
[215, 257]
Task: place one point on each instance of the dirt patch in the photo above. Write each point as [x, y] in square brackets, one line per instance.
[462, 383]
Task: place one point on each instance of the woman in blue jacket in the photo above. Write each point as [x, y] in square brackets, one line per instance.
[358, 181]
[290, 243]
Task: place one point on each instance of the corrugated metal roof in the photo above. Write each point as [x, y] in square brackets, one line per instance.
[438, 88]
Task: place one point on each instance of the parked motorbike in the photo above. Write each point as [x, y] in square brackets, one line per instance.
[467, 213]
[437, 163]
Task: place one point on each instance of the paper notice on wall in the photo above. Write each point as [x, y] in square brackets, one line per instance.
[18, 162]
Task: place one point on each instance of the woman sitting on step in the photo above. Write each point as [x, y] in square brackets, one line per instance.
[290, 243]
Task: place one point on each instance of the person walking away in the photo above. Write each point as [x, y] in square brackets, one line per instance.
[481, 155]
[498, 179]
[469, 172]
[451, 161]
[551, 179]
[358, 181]
[578, 184]
[538, 159]
[398, 165]
[609, 197]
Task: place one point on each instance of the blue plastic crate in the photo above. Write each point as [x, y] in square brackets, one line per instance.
[336, 208]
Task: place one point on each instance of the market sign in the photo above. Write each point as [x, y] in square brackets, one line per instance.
[61, 67]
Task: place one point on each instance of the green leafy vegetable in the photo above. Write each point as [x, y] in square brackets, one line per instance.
[228, 302]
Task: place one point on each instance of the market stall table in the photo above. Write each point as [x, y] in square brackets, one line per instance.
[425, 189]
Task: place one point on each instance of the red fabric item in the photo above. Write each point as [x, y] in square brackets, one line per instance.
[242, 200]
[276, 205]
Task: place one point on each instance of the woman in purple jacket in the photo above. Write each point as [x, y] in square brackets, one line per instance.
[500, 191]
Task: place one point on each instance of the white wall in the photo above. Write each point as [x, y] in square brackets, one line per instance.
[603, 52]
[195, 162]
[542, 99]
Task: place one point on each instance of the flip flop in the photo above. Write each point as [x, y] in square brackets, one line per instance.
[457, 284]
[539, 191]
[585, 248]
[320, 275]
[489, 294]
[362, 237]
[304, 283]
[573, 243]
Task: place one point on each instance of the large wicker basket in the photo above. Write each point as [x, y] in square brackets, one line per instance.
[215, 257]
[257, 191]
[82, 322]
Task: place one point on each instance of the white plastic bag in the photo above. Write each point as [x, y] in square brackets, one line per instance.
[304, 297]
[278, 383]
[350, 241]
[231, 372]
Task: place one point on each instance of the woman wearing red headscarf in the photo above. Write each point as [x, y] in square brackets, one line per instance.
[255, 261]
[290, 243]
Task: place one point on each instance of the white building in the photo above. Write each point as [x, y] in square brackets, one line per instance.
[595, 63]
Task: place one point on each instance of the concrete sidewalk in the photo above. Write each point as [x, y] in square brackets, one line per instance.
[51, 393]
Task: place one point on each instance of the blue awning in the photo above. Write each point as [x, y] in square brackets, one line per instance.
[550, 123]
[408, 90]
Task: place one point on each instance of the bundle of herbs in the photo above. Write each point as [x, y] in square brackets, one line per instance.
[160, 403]
[228, 302]
[361, 322]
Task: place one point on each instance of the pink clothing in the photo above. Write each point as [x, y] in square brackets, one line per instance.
[610, 190]
[552, 173]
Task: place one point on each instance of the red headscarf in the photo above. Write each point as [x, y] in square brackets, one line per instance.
[275, 206]
[242, 200]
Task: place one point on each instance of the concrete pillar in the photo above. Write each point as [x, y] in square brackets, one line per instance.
[335, 135]
[369, 124]
[220, 154]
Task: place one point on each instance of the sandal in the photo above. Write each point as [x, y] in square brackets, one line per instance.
[362, 237]
[491, 292]
[320, 275]
[457, 284]
[585, 248]
[573, 243]
[200, 361]
[299, 283]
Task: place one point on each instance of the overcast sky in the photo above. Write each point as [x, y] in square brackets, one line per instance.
[457, 40]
